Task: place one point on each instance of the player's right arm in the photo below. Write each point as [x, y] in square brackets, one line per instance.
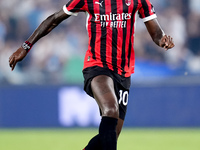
[44, 28]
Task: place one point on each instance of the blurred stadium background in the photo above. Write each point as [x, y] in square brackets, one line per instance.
[45, 90]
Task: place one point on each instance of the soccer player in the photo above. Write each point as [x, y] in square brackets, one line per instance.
[109, 60]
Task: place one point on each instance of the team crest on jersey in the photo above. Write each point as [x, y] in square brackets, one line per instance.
[128, 2]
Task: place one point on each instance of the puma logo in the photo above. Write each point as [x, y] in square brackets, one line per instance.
[99, 3]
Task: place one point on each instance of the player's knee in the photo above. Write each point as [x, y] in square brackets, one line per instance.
[111, 111]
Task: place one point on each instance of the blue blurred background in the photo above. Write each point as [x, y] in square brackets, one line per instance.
[45, 89]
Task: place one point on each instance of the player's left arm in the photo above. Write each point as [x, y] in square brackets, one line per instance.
[158, 35]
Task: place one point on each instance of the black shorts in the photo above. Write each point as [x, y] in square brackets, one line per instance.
[121, 85]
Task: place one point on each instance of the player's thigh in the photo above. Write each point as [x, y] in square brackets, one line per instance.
[103, 90]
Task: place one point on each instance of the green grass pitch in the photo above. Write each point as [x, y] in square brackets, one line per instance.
[76, 139]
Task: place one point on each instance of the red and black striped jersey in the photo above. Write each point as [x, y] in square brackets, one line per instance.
[111, 28]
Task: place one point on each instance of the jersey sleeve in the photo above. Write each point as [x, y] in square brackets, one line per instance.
[73, 7]
[147, 12]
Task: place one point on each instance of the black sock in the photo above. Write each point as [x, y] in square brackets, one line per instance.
[107, 138]
[94, 143]
[107, 133]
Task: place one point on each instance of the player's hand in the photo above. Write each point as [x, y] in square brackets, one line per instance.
[17, 56]
[166, 42]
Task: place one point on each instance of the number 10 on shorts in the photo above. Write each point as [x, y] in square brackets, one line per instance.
[123, 97]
